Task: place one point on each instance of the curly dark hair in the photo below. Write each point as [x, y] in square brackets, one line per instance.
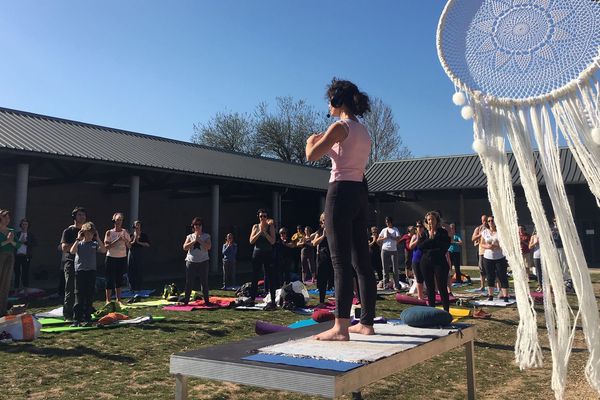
[346, 93]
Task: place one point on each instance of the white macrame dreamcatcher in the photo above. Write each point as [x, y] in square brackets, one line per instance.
[527, 69]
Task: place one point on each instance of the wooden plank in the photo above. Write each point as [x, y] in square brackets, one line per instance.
[365, 375]
[470, 354]
[181, 391]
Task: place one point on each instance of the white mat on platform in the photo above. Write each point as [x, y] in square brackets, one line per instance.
[388, 340]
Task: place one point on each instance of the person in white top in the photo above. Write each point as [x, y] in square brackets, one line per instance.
[117, 242]
[494, 260]
[388, 240]
[534, 246]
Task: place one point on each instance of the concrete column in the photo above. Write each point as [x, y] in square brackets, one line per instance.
[276, 209]
[215, 237]
[321, 204]
[463, 228]
[377, 213]
[134, 199]
[20, 210]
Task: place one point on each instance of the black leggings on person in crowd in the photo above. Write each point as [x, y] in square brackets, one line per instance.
[537, 262]
[193, 271]
[261, 261]
[418, 272]
[455, 259]
[496, 269]
[324, 274]
[346, 208]
[436, 274]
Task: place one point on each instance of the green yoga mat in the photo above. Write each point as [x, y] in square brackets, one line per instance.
[150, 303]
[68, 328]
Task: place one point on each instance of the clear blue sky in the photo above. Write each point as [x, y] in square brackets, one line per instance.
[158, 67]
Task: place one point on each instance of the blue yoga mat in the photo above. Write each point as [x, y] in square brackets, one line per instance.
[304, 362]
[126, 294]
[303, 323]
[316, 291]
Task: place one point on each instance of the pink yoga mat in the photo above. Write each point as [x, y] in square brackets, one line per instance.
[216, 302]
[406, 299]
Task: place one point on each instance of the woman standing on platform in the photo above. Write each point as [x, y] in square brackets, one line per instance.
[348, 144]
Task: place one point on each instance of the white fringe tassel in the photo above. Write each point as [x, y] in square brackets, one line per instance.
[489, 126]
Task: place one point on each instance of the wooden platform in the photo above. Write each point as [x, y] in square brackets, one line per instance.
[225, 363]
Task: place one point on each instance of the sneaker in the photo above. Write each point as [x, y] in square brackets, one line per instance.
[490, 298]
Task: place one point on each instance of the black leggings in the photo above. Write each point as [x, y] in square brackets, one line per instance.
[496, 269]
[538, 270]
[418, 272]
[324, 274]
[115, 268]
[436, 273]
[193, 271]
[455, 259]
[261, 261]
[21, 270]
[346, 208]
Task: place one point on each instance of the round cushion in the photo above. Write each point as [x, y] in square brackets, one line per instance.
[322, 315]
[425, 317]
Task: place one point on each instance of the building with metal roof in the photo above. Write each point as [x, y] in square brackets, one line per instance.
[456, 185]
[49, 165]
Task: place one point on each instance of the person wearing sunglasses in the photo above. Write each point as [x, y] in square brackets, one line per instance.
[197, 244]
[262, 236]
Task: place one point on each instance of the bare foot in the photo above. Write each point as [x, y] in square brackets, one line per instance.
[333, 334]
[362, 329]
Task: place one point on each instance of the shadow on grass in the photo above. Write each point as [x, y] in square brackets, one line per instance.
[78, 351]
[506, 347]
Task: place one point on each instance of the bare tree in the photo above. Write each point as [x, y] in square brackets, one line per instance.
[282, 134]
[228, 131]
[385, 134]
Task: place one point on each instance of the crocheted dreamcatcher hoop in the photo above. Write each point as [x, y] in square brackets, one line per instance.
[526, 71]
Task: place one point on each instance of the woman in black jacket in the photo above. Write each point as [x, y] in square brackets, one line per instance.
[433, 261]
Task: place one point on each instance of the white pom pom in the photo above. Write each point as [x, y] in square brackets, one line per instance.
[467, 112]
[596, 135]
[459, 99]
[480, 147]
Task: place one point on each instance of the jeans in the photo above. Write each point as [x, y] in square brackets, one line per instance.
[391, 262]
[85, 290]
[69, 271]
[346, 207]
[228, 273]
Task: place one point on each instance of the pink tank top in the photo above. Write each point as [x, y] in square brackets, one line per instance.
[349, 157]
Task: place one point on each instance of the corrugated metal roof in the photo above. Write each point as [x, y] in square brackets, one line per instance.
[27, 132]
[454, 172]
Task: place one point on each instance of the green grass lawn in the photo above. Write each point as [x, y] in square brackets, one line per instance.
[133, 362]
